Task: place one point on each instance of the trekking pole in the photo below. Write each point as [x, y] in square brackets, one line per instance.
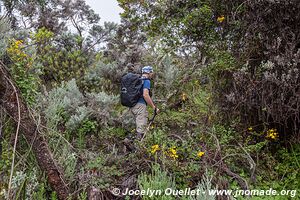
[150, 123]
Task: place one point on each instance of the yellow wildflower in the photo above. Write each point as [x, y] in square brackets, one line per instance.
[155, 148]
[200, 154]
[184, 96]
[221, 19]
[173, 153]
[272, 134]
[19, 42]
[250, 129]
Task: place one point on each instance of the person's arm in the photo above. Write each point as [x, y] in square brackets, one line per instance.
[148, 98]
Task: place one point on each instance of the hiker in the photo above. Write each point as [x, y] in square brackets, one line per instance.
[140, 109]
[135, 94]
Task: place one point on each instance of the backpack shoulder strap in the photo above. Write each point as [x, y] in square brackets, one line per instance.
[143, 79]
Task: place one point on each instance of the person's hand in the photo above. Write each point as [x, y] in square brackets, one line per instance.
[157, 110]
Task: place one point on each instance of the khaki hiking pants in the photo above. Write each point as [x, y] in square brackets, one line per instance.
[141, 117]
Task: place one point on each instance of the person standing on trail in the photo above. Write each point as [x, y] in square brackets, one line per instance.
[140, 109]
[136, 95]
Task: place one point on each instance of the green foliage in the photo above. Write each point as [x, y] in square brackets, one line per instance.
[81, 114]
[203, 186]
[23, 72]
[86, 127]
[54, 196]
[5, 161]
[199, 24]
[222, 61]
[176, 116]
[103, 77]
[157, 137]
[247, 51]
[59, 63]
[24, 184]
[103, 174]
[103, 106]
[70, 165]
[280, 172]
[42, 37]
[178, 23]
[157, 180]
[257, 147]
[41, 192]
[180, 156]
[113, 132]
[63, 152]
[103, 100]
[60, 101]
[83, 196]
[287, 166]
[183, 173]
[225, 135]
[56, 16]
[78, 116]
[201, 101]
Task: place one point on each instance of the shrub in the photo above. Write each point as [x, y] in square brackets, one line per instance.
[158, 180]
[259, 82]
[22, 70]
[61, 101]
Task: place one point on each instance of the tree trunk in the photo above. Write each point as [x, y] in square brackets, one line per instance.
[28, 127]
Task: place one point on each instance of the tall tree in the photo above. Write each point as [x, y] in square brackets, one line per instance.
[54, 15]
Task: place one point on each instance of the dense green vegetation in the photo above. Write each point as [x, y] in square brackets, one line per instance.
[227, 82]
